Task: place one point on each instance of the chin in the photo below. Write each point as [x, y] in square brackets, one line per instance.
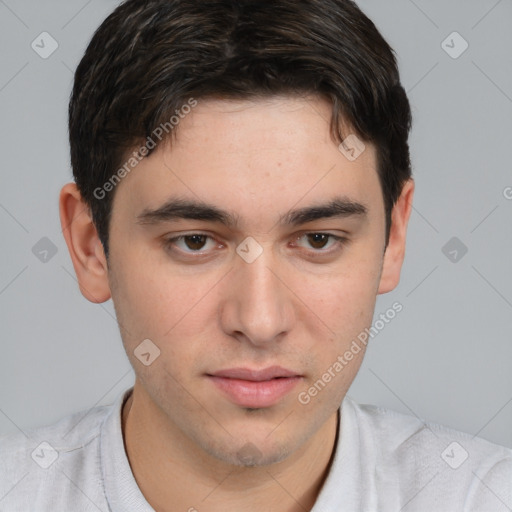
[249, 455]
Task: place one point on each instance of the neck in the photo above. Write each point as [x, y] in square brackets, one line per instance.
[173, 474]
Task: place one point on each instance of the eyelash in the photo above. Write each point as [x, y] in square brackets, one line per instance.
[340, 242]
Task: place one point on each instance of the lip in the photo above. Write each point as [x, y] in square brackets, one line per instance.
[255, 388]
[271, 372]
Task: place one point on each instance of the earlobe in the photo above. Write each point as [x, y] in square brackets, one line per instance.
[84, 245]
[395, 251]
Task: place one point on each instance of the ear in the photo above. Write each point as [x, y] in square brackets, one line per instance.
[84, 245]
[395, 251]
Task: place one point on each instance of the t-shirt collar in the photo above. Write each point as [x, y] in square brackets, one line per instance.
[342, 484]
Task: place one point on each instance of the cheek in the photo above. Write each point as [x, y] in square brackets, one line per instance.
[166, 311]
[346, 306]
[153, 302]
[346, 299]
[139, 301]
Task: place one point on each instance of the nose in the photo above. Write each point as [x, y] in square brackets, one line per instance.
[258, 306]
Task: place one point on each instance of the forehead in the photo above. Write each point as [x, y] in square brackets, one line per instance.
[267, 154]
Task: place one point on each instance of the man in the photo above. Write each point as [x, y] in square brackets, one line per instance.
[242, 192]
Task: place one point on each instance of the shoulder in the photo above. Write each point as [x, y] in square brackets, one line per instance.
[48, 465]
[397, 429]
[422, 454]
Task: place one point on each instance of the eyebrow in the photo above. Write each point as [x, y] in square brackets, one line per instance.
[176, 209]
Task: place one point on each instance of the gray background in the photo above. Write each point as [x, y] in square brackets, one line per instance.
[446, 357]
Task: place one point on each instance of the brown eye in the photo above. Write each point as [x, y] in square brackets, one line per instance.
[190, 244]
[320, 244]
[195, 242]
[318, 240]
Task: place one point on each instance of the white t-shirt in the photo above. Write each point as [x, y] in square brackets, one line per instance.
[384, 462]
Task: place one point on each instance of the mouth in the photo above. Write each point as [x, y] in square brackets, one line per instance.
[255, 389]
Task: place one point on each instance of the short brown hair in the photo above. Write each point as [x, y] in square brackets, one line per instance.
[150, 57]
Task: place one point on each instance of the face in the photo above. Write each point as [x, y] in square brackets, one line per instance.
[251, 293]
